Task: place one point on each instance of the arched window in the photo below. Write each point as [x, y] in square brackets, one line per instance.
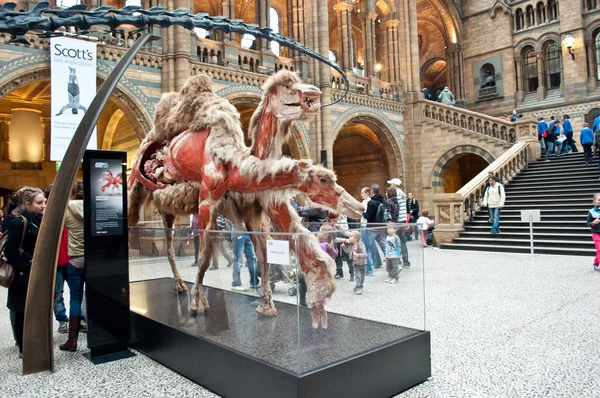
[332, 56]
[597, 48]
[552, 10]
[274, 15]
[531, 71]
[541, 13]
[67, 3]
[553, 77]
[201, 33]
[530, 16]
[519, 19]
[591, 4]
[248, 41]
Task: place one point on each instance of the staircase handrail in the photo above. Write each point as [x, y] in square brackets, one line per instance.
[452, 210]
[473, 121]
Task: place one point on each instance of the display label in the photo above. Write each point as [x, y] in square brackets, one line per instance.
[106, 195]
[531, 215]
[278, 252]
[73, 87]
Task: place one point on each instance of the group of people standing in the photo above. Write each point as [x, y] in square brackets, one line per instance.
[557, 139]
[21, 226]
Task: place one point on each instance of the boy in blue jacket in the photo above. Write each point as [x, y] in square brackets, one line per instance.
[586, 137]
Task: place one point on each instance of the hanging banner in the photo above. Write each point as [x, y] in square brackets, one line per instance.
[73, 87]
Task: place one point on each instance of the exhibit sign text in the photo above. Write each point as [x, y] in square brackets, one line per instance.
[278, 252]
[73, 87]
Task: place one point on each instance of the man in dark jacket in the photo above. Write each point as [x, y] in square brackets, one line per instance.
[369, 236]
[412, 207]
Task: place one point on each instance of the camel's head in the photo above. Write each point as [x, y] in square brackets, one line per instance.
[289, 98]
[323, 191]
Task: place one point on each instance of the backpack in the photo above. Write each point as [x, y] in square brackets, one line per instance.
[383, 213]
[551, 130]
[7, 272]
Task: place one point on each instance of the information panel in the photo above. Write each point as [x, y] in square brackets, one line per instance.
[106, 183]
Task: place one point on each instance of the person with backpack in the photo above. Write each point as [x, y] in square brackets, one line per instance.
[374, 207]
[20, 244]
[494, 199]
[551, 135]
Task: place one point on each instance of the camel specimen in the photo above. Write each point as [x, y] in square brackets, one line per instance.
[209, 159]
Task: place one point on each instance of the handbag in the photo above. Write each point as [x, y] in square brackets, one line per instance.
[7, 272]
[545, 134]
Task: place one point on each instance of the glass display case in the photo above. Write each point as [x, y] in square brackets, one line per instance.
[344, 302]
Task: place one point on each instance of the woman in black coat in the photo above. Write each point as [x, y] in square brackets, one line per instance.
[19, 253]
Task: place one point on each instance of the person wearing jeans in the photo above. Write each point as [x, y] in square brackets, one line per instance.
[586, 138]
[541, 127]
[494, 199]
[242, 244]
[568, 131]
[76, 267]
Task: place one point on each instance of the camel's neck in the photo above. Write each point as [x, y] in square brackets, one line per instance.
[271, 134]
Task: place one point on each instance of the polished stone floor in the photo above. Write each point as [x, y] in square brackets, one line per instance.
[503, 325]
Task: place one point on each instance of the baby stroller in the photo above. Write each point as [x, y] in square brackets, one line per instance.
[279, 273]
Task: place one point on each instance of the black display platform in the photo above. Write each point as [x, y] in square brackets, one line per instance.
[234, 352]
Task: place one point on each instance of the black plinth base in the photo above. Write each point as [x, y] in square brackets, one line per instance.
[234, 352]
[114, 356]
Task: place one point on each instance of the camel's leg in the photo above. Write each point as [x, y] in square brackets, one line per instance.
[253, 220]
[206, 220]
[168, 221]
[313, 260]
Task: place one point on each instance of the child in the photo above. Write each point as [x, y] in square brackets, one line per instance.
[326, 240]
[424, 224]
[392, 255]
[593, 221]
[358, 252]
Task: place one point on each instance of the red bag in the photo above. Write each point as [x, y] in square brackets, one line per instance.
[408, 218]
[545, 134]
[63, 249]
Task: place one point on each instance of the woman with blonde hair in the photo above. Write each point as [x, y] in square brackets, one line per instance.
[20, 245]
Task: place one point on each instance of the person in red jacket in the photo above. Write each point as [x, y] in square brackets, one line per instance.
[60, 312]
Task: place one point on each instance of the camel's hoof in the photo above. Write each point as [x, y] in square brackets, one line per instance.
[267, 311]
[180, 286]
[196, 310]
[206, 307]
[315, 325]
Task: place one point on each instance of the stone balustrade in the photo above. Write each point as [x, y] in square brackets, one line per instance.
[479, 123]
[452, 210]
[365, 100]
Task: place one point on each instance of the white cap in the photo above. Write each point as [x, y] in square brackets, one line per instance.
[395, 181]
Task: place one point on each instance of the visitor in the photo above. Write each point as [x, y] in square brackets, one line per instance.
[446, 97]
[586, 137]
[1, 221]
[541, 128]
[20, 246]
[326, 237]
[515, 115]
[426, 94]
[487, 185]
[365, 194]
[13, 205]
[494, 199]
[402, 233]
[76, 267]
[425, 224]
[60, 312]
[370, 233]
[568, 131]
[392, 254]
[218, 240]
[593, 221]
[358, 252]
[551, 134]
[412, 209]
[343, 233]
[243, 244]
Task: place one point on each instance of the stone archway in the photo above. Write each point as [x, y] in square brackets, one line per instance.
[458, 166]
[365, 152]
[297, 147]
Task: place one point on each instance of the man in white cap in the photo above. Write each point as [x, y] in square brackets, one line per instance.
[395, 183]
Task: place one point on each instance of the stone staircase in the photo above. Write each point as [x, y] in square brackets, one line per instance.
[552, 98]
[562, 189]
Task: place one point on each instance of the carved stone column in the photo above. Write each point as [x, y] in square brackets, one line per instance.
[520, 91]
[4, 137]
[263, 19]
[541, 91]
[591, 66]
[45, 139]
[227, 10]
[368, 25]
[182, 50]
[454, 59]
[344, 17]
